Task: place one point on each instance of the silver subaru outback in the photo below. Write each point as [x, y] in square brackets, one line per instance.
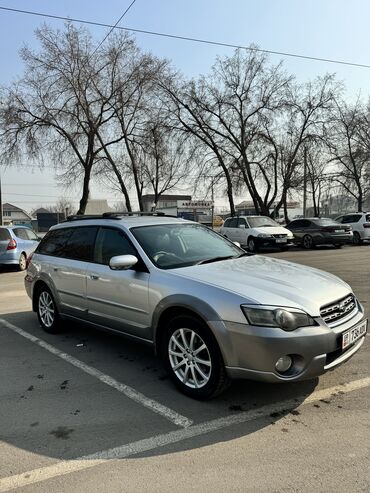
[211, 311]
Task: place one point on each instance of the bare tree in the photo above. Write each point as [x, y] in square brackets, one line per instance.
[349, 145]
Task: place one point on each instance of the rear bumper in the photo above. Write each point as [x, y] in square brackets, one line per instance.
[335, 240]
[9, 257]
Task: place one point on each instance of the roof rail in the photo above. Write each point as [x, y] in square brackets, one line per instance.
[116, 215]
[81, 217]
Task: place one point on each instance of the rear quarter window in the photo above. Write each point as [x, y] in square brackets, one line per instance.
[20, 233]
[4, 235]
[53, 243]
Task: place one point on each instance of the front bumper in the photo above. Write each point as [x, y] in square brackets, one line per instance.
[254, 351]
[262, 242]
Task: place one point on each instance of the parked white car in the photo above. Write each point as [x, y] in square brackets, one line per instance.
[256, 232]
[360, 222]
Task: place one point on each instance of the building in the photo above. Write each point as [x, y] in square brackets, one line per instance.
[97, 206]
[13, 215]
[246, 208]
[164, 202]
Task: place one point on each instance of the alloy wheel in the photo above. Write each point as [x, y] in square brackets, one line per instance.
[46, 309]
[189, 358]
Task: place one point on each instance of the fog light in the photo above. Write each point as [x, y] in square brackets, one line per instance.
[283, 364]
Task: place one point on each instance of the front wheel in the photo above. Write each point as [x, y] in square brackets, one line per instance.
[193, 359]
[47, 311]
[251, 244]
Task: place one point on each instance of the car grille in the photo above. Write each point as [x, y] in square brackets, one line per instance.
[279, 236]
[339, 311]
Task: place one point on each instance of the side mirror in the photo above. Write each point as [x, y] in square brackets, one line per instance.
[241, 226]
[237, 244]
[122, 262]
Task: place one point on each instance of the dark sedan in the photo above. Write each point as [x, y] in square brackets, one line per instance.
[310, 232]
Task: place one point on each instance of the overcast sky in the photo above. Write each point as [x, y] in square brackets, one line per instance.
[336, 29]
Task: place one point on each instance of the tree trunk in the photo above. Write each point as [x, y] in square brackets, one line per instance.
[85, 190]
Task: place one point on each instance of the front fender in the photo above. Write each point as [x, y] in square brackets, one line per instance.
[204, 311]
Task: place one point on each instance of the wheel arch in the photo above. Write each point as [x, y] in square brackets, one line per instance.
[177, 305]
[36, 287]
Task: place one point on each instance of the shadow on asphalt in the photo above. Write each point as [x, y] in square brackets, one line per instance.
[49, 407]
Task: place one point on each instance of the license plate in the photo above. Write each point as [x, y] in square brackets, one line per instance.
[352, 335]
[339, 231]
[281, 240]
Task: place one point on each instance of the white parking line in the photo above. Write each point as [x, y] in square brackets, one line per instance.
[66, 467]
[128, 391]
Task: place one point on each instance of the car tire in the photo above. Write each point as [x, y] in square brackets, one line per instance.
[22, 263]
[338, 246]
[357, 240]
[198, 373]
[47, 311]
[307, 242]
[251, 244]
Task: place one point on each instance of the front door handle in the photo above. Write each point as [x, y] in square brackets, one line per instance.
[94, 278]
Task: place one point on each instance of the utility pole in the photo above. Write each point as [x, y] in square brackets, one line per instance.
[212, 198]
[1, 205]
[304, 181]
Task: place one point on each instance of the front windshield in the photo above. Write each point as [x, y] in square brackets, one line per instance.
[261, 222]
[170, 246]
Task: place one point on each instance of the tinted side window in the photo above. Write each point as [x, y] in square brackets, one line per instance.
[242, 221]
[226, 223]
[305, 223]
[4, 235]
[80, 244]
[295, 225]
[233, 222]
[20, 233]
[54, 241]
[109, 243]
[367, 217]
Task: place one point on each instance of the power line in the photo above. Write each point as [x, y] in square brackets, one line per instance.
[113, 27]
[187, 38]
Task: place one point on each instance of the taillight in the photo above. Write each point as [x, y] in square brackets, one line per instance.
[12, 245]
[28, 261]
[366, 225]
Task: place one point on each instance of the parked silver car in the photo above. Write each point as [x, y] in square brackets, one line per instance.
[211, 311]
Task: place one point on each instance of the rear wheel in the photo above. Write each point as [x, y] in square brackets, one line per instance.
[307, 242]
[47, 311]
[22, 264]
[193, 359]
[357, 238]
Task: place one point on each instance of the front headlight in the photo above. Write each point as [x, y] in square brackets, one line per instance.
[284, 318]
[264, 235]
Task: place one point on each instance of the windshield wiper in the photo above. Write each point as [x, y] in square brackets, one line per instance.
[218, 259]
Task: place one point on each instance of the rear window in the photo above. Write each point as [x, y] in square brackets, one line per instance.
[80, 245]
[326, 222]
[4, 235]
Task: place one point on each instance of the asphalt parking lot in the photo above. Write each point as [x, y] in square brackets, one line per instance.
[89, 412]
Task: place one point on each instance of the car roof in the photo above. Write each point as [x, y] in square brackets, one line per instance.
[126, 221]
[15, 226]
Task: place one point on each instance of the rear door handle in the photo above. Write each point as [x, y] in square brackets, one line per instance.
[94, 278]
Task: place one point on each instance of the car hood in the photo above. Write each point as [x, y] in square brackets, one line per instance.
[269, 281]
[273, 230]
